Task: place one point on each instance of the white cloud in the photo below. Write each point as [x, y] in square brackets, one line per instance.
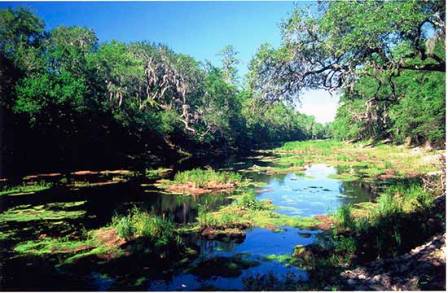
[319, 103]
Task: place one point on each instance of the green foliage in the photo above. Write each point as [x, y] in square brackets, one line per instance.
[144, 98]
[388, 58]
[345, 126]
[411, 109]
[48, 92]
[21, 33]
[420, 113]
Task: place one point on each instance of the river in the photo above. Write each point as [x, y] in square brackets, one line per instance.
[219, 265]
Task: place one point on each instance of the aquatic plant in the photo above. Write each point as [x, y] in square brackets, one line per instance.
[123, 226]
[53, 246]
[388, 226]
[246, 211]
[51, 211]
[25, 188]
[205, 178]
[249, 201]
[156, 173]
[140, 223]
[199, 181]
[343, 217]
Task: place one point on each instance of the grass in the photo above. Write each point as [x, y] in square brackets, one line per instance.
[283, 165]
[360, 160]
[25, 188]
[139, 223]
[206, 178]
[200, 181]
[386, 227]
[343, 217]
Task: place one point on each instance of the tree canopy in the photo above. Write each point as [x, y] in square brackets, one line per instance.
[330, 47]
[81, 103]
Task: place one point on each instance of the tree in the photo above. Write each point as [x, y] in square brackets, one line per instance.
[330, 48]
[229, 60]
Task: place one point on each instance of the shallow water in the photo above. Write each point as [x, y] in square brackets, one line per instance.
[218, 265]
[238, 261]
[314, 193]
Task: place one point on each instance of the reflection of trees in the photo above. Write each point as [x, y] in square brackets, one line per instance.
[183, 209]
[208, 248]
[357, 191]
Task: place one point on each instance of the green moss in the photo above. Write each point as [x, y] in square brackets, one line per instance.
[286, 259]
[25, 188]
[70, 249]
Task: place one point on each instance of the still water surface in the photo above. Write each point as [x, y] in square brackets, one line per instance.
[219, 265]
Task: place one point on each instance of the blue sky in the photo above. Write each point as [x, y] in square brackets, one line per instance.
[199, 29]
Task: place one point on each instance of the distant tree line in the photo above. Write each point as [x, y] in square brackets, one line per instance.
[68, 101]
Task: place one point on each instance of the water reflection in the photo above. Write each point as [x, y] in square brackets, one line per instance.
[313, 193]
[218, 265]
[225, 265]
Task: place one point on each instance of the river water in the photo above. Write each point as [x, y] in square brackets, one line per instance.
[219, 265]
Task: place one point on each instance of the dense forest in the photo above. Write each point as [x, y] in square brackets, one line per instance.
[69, 101]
